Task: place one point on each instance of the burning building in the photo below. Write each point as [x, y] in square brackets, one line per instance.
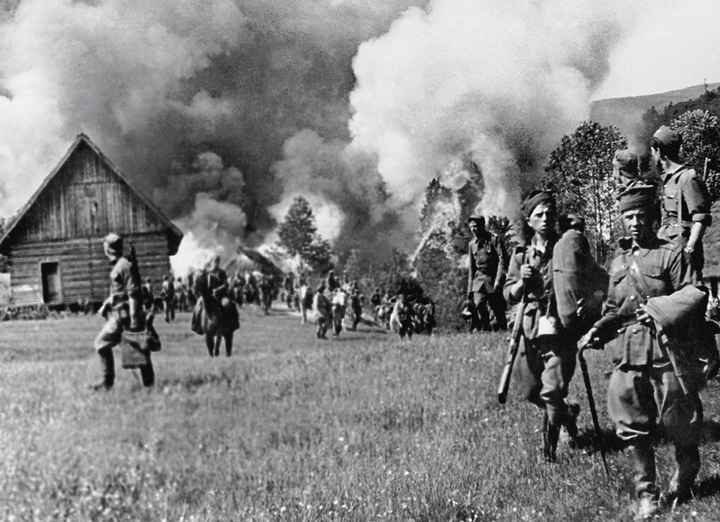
[55, 241]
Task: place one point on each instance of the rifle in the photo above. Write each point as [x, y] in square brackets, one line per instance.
[512, 352]
[591, 403]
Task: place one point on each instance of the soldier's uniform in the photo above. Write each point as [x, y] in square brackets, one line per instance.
[324, 309]
[685, 194]
[168, 297]
[117, 313]
[487, 270]
[545, 363]
[645, 389]
[685, 198]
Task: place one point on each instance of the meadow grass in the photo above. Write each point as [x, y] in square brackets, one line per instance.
[360, 428]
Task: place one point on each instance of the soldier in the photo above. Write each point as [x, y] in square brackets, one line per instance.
[579, 283]
[167, 293]
[488, 267]
[375, 300]
[356, 304]
[625, 168]
[180, 296]
[686, 203]
[148, 296]
[118, 313]
[324, 309]
[546, 354]
[332, 283]
[646, 388]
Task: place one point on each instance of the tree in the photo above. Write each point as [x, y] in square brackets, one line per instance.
[700, 133]
[579, 173]
[298, 235]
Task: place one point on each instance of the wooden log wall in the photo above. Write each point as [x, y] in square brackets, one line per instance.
[84, 269]
[85, 199]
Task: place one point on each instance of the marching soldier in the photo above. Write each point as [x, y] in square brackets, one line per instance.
[119, 313]
[546, 354]
[488, 267]
[686, 202]
[655, 379]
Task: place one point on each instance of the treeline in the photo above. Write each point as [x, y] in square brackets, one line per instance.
[580, 173]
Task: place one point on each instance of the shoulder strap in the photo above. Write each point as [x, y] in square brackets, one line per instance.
[636, 280]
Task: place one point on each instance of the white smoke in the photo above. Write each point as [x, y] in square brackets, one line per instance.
[498, 82]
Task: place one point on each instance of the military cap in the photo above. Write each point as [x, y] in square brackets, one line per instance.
[113, 243]
[668, 137]
[637, 196]
[574, 221]
[476, 217]
[626, 162]
[535, 198]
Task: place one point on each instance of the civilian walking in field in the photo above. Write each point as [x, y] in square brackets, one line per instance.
[686, 202]
[122, 311]
[487, 270]
[215, 315]
[167, 292]
[545, 362]
[657, 366]
[323, 307]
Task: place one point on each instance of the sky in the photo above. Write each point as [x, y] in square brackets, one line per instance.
[672, 46]
[224, 111]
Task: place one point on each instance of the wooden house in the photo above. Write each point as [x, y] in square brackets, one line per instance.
[55, 241]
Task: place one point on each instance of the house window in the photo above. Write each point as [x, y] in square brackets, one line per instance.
[50, 274]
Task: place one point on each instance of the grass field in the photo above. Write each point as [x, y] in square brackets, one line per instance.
[360, 428]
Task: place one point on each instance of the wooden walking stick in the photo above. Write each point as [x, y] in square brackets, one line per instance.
[591, 402]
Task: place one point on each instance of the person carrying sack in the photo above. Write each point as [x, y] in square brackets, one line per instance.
[123, 313]
[546, 357]
[657, 375]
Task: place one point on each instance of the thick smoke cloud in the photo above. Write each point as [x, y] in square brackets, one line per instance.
[223, 111]
[156, 85]
[498, 83]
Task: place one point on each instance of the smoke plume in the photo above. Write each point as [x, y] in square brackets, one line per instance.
[223, 111]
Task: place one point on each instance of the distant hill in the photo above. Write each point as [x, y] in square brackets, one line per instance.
[626, 113]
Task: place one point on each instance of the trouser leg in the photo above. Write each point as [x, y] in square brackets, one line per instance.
[147, 373]
[210, 344]
[110, 336]
[643, 455]
[107, 367]
[228, 344]
[498, 307]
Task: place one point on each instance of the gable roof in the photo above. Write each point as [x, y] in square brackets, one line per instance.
[175, 233]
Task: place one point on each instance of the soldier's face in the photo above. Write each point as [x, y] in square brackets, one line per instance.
[542, 218]
[637, 223]
[476, 227]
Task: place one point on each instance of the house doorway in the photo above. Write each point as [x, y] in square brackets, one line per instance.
[50, 273]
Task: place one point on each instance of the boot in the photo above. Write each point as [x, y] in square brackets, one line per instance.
[570, 421]
[107, 370]
[646, 509]
[688, 465]
[551, 434]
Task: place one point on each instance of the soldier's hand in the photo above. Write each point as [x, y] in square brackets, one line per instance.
[526, 272]
[642, 316]
[591, 340]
